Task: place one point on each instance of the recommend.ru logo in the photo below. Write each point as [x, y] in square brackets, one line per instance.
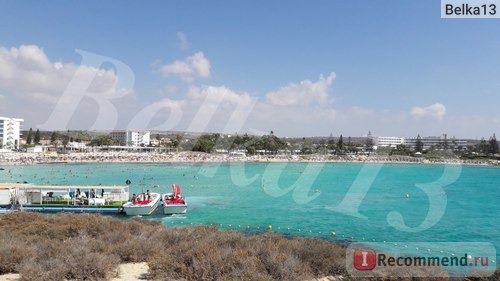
[421, 259]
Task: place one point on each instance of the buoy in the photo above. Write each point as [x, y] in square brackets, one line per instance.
[270, 227]
[407, 195]
[333, 233]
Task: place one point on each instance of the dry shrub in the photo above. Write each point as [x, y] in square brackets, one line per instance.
[324, 258]
[204, 253]
[12, 252]
[131, 249]
[85, 264]
[90, 247]
[495, 276]
[37, 268]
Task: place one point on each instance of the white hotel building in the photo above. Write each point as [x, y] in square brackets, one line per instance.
[10, 132]
[131, 138]
[389, 141]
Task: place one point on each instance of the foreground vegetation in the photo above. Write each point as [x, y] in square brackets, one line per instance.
[90, 247]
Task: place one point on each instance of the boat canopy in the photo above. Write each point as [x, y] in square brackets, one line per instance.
[176, 189]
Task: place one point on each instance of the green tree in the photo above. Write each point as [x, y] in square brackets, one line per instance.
[331, 144]
[483, 146]
[178, 140]
[419, 145]
[251, 150]
[340, 143]
[271, 143]
[102, 141]
[53, 138]
[65, 142]
[369, 141]
[401, 149]
[206, 143]
[29, 138]
[84, 136]
[493, 145]
[37, 136]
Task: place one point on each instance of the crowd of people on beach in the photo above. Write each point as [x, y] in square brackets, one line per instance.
[22, 158]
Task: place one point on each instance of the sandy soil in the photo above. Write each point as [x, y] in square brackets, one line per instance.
[9, 277]
[132, 271]
[139, 271]
[127, 272]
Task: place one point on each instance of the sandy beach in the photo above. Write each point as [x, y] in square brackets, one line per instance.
[21, 158]
[126, 272]
[137, 272]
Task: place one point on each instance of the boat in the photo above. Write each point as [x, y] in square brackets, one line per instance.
[173, 202]
[142, 205]
[58, 198]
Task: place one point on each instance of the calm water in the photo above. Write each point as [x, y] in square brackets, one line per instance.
[353, 200]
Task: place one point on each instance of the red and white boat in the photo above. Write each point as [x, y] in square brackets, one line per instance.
[142, 206]
[174, 203]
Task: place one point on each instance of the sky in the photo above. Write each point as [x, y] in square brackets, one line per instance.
[297, 68]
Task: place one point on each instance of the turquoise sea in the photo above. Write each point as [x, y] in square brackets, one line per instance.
[338, 201]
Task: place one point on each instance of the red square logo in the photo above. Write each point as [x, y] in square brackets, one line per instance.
[365, 259]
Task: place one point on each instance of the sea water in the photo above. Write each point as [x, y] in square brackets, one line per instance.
[338, 201]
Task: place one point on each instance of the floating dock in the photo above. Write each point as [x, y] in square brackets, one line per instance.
[62, 198]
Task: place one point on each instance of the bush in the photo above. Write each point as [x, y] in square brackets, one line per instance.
[90, 247]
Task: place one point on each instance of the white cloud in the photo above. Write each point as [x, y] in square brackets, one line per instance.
[436, 111]
[220, 94]
[194, 66]
[303, 93]
[34, 84]
[27, 73]
[183, 42]
[221, 109]
[218, 108]
[203, 109]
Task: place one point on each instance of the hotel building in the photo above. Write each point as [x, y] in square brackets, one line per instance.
[131, 138]
[10, 132]
[438, 141]
[389, 141]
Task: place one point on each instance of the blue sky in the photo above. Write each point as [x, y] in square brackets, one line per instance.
[299, 68]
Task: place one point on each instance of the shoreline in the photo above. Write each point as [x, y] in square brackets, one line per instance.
[22, 158]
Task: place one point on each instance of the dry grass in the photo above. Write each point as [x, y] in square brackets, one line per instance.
[230, 255]
[90, 247]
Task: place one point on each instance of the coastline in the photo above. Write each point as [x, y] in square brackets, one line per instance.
[23, 158]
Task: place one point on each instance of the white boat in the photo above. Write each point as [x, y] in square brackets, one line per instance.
[59, 198]
[174, 203]
[142, 207]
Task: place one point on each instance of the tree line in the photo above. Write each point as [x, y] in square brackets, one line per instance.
[271, 144]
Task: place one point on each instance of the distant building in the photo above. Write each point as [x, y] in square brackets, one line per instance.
[76, 146]
[389, 141]
[37, 149]
[437, 142]
[131, 138]
[10, 132]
